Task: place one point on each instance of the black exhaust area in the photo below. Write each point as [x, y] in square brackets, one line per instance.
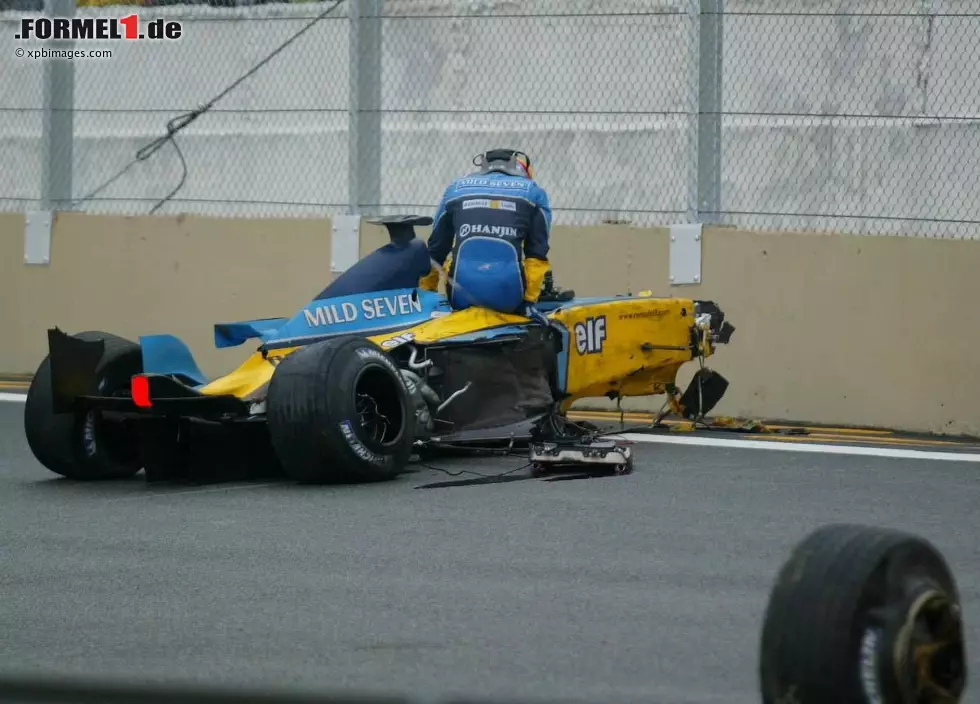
[500, 382]
[721, 329]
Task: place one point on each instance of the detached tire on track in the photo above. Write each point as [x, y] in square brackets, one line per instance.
[339, 412]
[85, 446]
[863, 615]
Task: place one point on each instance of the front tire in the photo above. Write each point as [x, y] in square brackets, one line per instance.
[85, 445]
[340, 412]
[863, 615]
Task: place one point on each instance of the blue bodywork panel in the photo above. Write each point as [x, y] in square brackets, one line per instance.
[167, 354]
[488, 333]
[561, 363]
[234, 334]
[364, 313]
[371, 313]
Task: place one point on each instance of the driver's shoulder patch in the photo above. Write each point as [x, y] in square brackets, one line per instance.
[489, 204]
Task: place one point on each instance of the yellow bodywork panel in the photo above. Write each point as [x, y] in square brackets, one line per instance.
[253, 373]
[256, 371]
[626, 347]
[622, 346]
[460, 322]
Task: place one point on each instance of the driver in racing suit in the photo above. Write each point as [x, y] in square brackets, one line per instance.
[494, 226]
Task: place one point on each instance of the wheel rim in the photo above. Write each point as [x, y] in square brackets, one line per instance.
[930, 649]
[89, 443]
[106, 438]
[378, 405]
[372, 421]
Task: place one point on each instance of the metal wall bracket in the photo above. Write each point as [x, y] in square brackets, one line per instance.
[37, 237]
[345, 242]
[685, 254]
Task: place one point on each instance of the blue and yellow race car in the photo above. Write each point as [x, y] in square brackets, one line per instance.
[372, 369]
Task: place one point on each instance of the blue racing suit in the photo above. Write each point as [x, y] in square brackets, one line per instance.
[497, 227]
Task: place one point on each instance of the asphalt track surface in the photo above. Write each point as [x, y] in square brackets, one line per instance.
[645, 587]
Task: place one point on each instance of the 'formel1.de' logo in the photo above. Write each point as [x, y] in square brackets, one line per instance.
[101, 29]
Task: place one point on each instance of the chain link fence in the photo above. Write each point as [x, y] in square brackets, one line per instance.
[778, 114]
[853, 116]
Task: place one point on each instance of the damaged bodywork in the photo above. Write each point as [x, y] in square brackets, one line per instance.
[370, 371]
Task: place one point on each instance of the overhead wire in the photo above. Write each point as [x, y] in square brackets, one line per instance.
[180, 122]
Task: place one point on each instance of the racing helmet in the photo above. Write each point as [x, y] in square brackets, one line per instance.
[508, 161]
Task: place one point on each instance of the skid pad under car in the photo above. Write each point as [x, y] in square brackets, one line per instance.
[600, 456]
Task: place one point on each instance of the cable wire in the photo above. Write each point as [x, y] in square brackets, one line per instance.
[461, 472]
[178, 123]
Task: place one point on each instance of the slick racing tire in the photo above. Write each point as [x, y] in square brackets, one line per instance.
[863, 615]
[339, 412]
[85, 445]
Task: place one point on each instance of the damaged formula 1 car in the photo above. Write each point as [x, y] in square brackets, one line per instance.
[370, 371]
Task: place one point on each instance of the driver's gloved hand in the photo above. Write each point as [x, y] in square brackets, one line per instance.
[534, 314]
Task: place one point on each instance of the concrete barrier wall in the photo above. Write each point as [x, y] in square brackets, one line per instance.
[139, 275]
[835, 329]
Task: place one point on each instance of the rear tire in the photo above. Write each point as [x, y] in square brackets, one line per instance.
[85, 445]
[340, 412]
[863, 615]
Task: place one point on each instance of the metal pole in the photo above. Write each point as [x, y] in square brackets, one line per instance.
[57, 125]
[709, 139]
[693, 75]
[364, 136]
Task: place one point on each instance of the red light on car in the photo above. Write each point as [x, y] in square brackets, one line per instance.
[140, 390]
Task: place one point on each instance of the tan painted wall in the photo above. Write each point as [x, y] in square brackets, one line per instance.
[142, 275]
[833, 329]
[845, 329]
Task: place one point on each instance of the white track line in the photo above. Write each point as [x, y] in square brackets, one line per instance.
[777, 445]
[820, 448]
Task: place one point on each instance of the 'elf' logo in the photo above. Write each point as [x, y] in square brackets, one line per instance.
[590, 335]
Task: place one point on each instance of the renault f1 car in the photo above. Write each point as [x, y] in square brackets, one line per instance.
[371, 370]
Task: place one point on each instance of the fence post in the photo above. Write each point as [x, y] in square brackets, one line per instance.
[364, 136]
[57, 121]
[57, 136]
[693, 73]
[709, 140]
